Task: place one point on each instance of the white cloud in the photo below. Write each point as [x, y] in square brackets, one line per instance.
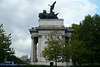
[21, 42]
[22, 46]
[20, 15]
[74, 11]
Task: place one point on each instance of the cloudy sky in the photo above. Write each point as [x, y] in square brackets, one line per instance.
[18, 16]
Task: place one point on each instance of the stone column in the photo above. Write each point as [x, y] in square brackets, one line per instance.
[32, 39]
[39, 47]
[34, 50]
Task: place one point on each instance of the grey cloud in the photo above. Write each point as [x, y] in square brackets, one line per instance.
[20, 15]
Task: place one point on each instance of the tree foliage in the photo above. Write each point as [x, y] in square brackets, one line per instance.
[85, 39]
[5, 43]
[15, 59]
[54, 50]
[78, 51]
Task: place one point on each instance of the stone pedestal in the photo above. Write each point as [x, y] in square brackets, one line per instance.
[38, 36]
[51, 22]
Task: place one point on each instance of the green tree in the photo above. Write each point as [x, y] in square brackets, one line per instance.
[15, 59]
[54, 50]
[88, 32]
[74, 26]
[78, 50]
[66, 54]
[5, 43]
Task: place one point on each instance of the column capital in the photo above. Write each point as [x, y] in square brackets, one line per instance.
[33, 37]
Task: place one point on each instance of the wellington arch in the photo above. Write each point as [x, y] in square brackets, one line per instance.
[47, 21]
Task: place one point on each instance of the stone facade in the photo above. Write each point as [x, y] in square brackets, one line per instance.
[39, 41]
